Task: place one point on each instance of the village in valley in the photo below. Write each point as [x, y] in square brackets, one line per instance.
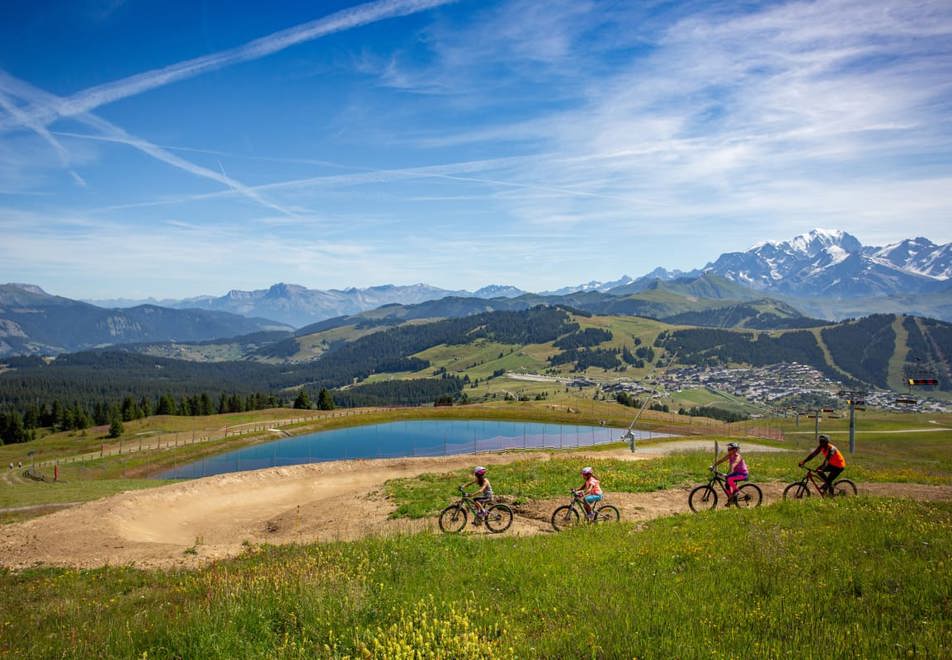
[785, 388]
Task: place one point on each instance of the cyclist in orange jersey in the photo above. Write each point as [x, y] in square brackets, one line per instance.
[833, 461]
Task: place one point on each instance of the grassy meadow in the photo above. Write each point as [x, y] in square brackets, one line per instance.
[860, 578]
[863, 577]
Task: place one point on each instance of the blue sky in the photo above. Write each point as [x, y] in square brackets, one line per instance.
[170, 149]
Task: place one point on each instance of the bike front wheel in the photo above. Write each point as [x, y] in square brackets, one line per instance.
[565, 517]
[748, 496]
[607, 513]
[844, 488]
[702, 498]
[796, 491]
[453, 519]
[498, 518]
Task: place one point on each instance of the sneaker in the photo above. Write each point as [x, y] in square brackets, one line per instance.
[590, 516]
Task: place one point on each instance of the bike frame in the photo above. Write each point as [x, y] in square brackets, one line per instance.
[578, 502]
[720, 478]
[811, 476]
[469, 503]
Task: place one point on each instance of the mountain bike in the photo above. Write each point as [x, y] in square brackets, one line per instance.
[800, 489]
[497, 517]
[704, 497]
[570, 515]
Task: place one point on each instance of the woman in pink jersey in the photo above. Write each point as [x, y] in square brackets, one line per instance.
[737, 470]
[591, 491]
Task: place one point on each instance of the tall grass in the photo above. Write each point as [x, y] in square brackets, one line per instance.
[859, 578]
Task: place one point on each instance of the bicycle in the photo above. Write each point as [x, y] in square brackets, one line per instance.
[497, 517]
[704, 497]
[569, 515]
[801, 489]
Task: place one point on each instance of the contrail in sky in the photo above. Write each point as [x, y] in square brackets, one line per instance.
[93, 97]
[38, 98]
[15, 111]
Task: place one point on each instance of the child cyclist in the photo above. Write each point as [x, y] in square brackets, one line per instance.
[833, 461]
[483, 494]
[591, 491]
[737, 470]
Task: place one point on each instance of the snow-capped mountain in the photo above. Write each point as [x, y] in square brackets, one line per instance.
[834, 263]
[594, 285]
[916, 255]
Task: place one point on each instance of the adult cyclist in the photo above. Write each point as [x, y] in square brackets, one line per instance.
[833, 461]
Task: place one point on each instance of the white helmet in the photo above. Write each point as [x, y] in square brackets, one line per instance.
[586, 471]
[479, 470]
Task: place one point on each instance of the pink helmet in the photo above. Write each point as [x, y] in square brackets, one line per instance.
[479, 470]
[586, 471]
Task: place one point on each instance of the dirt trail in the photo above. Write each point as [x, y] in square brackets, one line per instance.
[190, 523]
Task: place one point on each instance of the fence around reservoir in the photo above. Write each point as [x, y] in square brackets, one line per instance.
[174, 440]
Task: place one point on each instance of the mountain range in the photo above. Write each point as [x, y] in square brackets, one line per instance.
[33, 321]
[823, 274]
[297, 305]
[836, 264]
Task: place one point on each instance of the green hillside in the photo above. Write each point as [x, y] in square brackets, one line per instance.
[533, 353]
[861, 352]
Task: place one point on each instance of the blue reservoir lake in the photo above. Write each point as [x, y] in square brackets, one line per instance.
[402, 439]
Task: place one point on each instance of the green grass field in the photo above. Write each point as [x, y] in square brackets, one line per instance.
[855, 578]
[705, 397]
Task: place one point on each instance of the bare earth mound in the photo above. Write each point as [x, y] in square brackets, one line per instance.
[188, 524]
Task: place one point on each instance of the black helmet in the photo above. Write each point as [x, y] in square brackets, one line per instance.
[824, 439]
[733, 445]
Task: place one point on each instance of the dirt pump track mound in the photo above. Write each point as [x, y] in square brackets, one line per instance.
[188, 524]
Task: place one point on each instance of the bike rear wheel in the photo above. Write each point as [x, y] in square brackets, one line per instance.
[607, 513]
[565, 517]
[844, 488]
[498, 518]
[702, 498]
[796, 491]
[748, 496]
[453, 519]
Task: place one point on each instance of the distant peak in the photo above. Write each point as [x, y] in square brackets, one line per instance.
[812, 242]
[29, 288]
[283, 287]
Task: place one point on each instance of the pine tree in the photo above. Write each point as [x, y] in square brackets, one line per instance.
[166, 405]
[115, 428]
[324, 400]
[303, 401]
